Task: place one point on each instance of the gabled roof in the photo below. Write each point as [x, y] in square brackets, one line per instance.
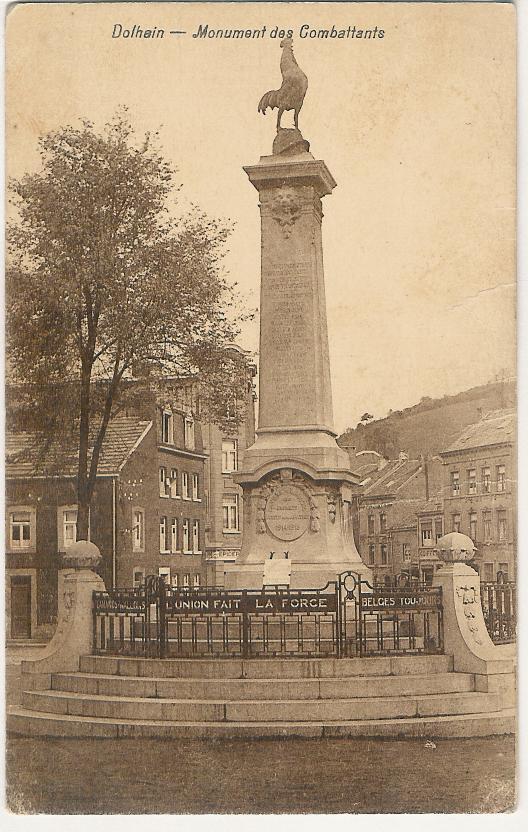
[391, 478]
[497, 428]
[23, 458]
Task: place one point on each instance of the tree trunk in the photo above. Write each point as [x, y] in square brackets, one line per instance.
[83, 494]
[83, 517]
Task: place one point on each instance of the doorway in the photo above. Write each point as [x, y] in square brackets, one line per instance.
[21, 606]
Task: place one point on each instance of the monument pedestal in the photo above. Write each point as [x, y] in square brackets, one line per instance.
[298, 487]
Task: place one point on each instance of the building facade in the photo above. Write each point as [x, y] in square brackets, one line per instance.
[225, 450]
[480, 490]
[147, 514]
[163, 503]
[392, 494]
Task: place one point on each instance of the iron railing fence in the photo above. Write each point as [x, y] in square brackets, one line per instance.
[499, 606]
[347, 617]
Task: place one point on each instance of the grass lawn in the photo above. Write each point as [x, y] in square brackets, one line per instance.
[69, 776]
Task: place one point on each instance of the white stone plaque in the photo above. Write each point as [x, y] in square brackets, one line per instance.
[277, 572]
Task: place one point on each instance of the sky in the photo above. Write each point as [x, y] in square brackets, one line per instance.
[416, 127]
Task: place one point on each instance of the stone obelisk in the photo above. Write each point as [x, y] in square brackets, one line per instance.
[297, 484]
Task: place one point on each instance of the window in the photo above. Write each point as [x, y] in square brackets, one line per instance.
[372, 553]
[174, 535]
[21, 525]
[439, 528]
[195, 483]
[486, 480]
[196, 536]
[371, 524]
[486, 518]
[69, 527]
[186, 581]
[456, 522]
[175, 580]
[230, 513]
[229, 455]
[164, 535]
[406, 552]
[503, 570]
[186, 539]
[427, 532]
[174, 482]
[455, 483]
[167, 430]
[384, 553]
[502, 525]
[487, 572]
[189, 433]
[383, 523]
[138, 530]
[164, 483]
[472, 481]
[196, 582]
[185, 486]
[164, 572]
[473, 526]
[501, 478]
[138, 576]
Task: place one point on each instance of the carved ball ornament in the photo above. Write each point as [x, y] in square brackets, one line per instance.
[81, 555]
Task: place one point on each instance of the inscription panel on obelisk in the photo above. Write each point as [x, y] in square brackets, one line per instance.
[287, 343]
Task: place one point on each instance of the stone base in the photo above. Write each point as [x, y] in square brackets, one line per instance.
[310, 520]
[308, 449]
[303, 575]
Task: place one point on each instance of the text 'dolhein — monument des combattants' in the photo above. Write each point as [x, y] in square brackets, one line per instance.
[298, 487]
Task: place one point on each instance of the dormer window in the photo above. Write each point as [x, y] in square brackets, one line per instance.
[167, 428]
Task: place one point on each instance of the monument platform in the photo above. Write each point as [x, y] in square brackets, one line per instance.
[418, 696]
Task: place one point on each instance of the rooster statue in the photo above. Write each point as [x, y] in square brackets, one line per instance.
[293, 89]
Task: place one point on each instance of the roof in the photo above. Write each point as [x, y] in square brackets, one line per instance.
[24, 460]
[391, 478]
[496, 428]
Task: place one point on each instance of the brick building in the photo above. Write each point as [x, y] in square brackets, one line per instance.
[158, 493]
[480, 491]
[147, 516]
[225, 512]
[393, 491]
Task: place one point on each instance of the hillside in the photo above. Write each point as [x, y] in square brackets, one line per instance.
[431, 425]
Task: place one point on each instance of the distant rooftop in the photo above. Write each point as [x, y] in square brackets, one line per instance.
[24, 460]
[391, 478]
[496, 428]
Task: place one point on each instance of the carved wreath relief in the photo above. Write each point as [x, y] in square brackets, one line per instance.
[287, 509]
[286, 209]
[471, 606]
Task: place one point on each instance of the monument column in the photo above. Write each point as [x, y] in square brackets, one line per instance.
[298, 488]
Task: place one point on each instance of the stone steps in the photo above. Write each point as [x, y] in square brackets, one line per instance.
[38, 723]
[113, 696]
[273, 710]
[262, 688]
[266, 668]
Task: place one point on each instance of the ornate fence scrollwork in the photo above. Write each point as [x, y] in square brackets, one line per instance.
[499, 608]
[347, 617]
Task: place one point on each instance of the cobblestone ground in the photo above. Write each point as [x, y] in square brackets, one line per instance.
[68, 776]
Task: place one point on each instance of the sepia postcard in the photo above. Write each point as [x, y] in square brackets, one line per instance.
[261, 396]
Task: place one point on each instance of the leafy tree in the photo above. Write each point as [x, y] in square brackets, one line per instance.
[104, 284]
[366, 418]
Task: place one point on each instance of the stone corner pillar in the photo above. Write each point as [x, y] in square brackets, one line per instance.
[73, 636]
[466, 637]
